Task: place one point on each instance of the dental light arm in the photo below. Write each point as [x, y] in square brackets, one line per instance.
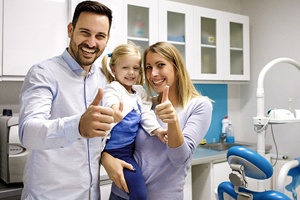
[260, 120]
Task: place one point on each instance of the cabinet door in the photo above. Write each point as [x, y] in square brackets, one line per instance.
[202, 181]
[105, 184]
[33, 30]
[221, 173]
[176, 27]
[208, 45]
[1, 14]
[105, 190]
[140, 21]
[236, 47]
[188, 191]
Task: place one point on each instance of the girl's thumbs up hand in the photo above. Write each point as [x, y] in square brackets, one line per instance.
[165, 110]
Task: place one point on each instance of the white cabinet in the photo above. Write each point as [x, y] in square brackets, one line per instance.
[33, 30]
[236, 47]
[206, 178]
[220, 173]
[105, 189]
[209, 42]
[188, 193]
[176, 27]
[140, 22]
[214, 44]
[1, 14]
[202, 180]
[221, 49]
[105, 184]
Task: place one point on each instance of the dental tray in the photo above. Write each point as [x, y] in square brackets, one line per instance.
[283, 121]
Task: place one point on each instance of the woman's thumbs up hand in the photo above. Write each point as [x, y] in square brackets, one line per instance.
[165, 110]
[165, 96]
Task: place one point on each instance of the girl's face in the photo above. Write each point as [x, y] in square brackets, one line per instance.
[159, 72]
[127, 71]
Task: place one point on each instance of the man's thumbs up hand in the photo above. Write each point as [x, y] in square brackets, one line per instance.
[96, 120]
[98, 97]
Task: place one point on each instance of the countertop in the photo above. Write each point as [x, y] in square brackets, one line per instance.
[204, 155]
[10, 191]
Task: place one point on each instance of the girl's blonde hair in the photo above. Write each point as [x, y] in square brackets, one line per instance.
[184, 86]
[120, 52]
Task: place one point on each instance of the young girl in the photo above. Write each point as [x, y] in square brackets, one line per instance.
[132, 108]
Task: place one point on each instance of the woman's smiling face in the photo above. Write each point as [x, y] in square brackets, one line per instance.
[159, 72]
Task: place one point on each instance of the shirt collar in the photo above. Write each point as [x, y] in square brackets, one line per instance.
[74, 66]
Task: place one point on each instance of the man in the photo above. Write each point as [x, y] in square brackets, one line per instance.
[61, 122]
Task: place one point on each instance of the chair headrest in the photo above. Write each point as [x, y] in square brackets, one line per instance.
[255, 165]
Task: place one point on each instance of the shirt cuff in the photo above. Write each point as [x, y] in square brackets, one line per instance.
[71, 125]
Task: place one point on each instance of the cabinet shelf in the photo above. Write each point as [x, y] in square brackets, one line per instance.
[138, 39]
[236, 49]
[208, 46]
[177, 43]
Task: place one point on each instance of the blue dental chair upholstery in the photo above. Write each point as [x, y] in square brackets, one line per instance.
[244, 163]
[292, 169]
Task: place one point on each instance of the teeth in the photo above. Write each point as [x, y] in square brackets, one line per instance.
[157, 82]
[88, 50]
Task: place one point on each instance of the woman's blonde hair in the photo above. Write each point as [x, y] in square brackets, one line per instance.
[184, 86]
[119, 52]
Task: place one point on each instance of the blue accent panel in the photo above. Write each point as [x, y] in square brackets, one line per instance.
[218, 93]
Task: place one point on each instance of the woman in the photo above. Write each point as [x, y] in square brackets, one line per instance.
[179, 108]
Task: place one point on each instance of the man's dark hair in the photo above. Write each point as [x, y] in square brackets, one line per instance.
[94, 7]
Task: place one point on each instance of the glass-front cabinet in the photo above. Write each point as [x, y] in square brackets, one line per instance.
[208, 48]
[141, 22]
[236, 46]
[221, 46]
[176, 27]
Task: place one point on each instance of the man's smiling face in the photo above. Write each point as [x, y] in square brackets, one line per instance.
[88, 38]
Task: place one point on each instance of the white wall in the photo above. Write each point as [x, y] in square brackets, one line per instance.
[274, 32]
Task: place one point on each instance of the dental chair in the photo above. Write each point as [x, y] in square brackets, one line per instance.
[292, 169]
[244, 163]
